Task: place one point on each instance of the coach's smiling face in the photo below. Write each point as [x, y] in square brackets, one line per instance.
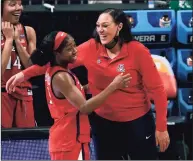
[106, 28]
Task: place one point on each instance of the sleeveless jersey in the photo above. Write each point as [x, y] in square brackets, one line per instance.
[69, 126]
[14, 66]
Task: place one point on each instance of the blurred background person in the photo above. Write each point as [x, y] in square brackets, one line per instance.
[17, 43]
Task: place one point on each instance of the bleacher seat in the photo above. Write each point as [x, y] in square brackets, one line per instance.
[185, 102]
[146, 27]
[184, 31]
[184, 72]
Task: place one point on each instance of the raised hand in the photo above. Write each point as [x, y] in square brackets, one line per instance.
[17, 31]
[8, 30]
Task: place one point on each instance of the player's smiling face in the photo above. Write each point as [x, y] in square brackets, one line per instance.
[68, 53]
[12, 10]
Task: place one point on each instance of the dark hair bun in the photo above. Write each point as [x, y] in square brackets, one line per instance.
[39, 57]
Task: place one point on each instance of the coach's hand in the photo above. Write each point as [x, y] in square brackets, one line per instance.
[14, 81]
[162, 140]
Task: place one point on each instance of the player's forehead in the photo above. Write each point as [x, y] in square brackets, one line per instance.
[8, 1]
[71, 42]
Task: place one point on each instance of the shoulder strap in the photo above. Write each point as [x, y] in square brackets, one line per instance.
[66, 72]
[53, 77]
[25, 33]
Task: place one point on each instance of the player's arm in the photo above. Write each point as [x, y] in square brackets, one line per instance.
[26, 74]
[34, 70]
[8, 32]
[64, 84]
[31, 35]
[22, 52]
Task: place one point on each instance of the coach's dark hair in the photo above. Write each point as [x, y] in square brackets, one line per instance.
[46, 53]
[118, 17]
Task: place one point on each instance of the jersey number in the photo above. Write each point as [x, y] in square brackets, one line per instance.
[15, 64]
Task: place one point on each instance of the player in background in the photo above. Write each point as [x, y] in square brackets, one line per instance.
[17, 43]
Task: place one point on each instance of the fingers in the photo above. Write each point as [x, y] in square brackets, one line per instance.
[127, 79]
[122, 81]
[17, 28]
[163, 140]
[168, 143]
[7, 29]
[164, 144]
[156, 141]
[2, 25]
[127, 75]
[126, 83]
[10, 85]
[13, 89]
[120, 74]
[6, 24]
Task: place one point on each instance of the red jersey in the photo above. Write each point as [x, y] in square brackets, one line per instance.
[132, 102]
[69, 125]
[125, 104]
[14, 66]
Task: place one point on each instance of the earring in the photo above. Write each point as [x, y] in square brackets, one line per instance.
[117, 32]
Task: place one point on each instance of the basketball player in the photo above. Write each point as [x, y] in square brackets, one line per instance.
[70, 133]
[17, 42]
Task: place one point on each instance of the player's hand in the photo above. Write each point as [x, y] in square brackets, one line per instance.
[17, 32]
[121, 81]
[162, 140]
[14, 81]
[8, 30]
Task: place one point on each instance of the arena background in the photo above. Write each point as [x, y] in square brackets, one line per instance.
[78, 19]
